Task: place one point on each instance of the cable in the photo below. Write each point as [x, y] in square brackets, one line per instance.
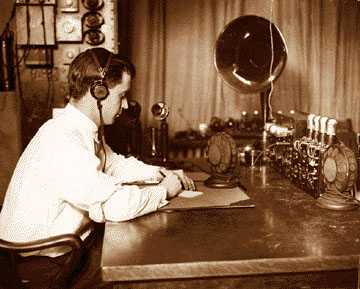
[101, 133]
[270, 146]
[188, 124]
[25, 54]
[272, 58]
[47, 58]
[18, 77]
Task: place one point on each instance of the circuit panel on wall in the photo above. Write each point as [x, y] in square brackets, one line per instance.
[49, 35]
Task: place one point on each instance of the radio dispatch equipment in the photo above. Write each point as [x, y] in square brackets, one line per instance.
[311, 156]
[250, 54]
[319, 162]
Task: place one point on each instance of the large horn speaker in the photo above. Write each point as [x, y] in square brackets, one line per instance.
[250, 54]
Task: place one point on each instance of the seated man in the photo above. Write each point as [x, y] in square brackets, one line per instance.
[67, 175]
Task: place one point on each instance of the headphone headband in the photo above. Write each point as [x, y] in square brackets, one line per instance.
[102, 70]
[98, 88]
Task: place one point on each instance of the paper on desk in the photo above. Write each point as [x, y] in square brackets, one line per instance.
[208, 197]
[189, 194]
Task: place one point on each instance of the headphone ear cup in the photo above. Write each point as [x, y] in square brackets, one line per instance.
[99, 90]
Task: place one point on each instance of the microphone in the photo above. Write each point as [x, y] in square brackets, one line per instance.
[131, 115]
[160, 110]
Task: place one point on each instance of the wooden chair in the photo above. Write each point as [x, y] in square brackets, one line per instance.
[9, 259]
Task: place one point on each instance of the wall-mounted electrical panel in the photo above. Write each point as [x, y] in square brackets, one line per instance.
[51, 22]
[49, 35]
[68, 6]
[68, 28]
[35, 22]
[39, 56]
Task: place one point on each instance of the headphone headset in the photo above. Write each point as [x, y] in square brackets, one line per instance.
[98, 89]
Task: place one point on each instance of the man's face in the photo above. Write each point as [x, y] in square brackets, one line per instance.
[116, 101]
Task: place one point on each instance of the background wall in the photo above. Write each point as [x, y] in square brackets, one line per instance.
[10, 137]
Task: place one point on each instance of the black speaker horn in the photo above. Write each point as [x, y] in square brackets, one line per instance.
[250, 53]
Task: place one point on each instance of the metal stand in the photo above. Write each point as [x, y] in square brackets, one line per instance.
[221, 181]
[337, 201]
[267, 117]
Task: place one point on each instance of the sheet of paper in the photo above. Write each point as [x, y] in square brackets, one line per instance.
[206, 197]
[189, 194]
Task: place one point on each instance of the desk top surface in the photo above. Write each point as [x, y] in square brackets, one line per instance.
[285, 232]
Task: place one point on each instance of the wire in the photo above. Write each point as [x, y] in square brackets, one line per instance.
[101, 133]
[188, 124]
[272, 58]
[28, 32]
[18, 76]
[23, 56]
[47, 59]
[263, 152]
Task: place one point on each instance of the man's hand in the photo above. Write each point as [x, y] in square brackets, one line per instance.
[186, 182]
[172, 184]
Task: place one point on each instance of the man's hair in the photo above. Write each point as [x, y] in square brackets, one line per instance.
[84, 70]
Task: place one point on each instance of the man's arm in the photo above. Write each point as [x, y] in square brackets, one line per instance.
[86, 188]
[123, 168]
[130, 202]
[129, 169]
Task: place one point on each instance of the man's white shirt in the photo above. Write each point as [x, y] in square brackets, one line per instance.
[58, 184]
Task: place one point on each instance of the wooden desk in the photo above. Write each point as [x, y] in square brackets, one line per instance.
[286, 241]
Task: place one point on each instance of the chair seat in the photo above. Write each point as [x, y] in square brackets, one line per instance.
[42, 271]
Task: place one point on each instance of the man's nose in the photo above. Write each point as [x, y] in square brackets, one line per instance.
[124, 103]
